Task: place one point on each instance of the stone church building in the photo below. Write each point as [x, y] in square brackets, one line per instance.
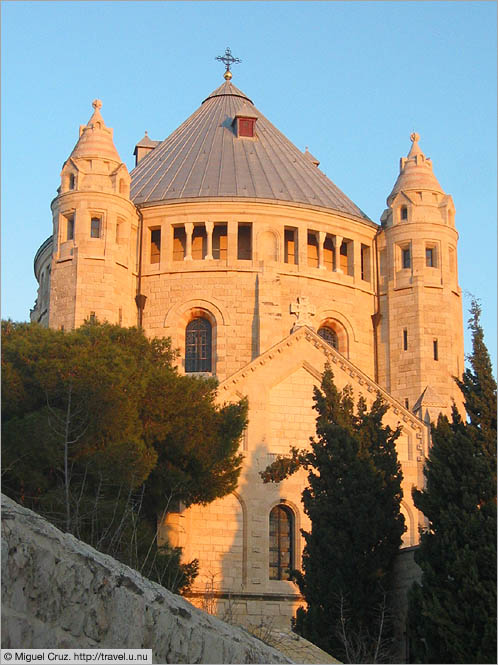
[230, 240]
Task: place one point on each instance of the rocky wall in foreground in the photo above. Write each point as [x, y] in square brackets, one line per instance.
[58, 592]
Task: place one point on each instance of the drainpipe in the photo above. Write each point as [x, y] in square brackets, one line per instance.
[140, 298]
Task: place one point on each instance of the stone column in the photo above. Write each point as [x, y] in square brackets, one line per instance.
[302, 247]
[321, 240]
[357, 261]
[231, 242]
[209, 233]
[189, 229]
[337, 255]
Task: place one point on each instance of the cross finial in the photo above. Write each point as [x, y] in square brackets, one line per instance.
[228, 59]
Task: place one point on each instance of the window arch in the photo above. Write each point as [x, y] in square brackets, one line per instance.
[281, 547]
[334, 333]
[198, 346]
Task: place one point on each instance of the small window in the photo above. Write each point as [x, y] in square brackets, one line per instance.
[93, 318]
[406, 257]
[199, 243]
[290, 246]
[430, 257]
[281, 549]
[198, 335]
[344, 262]
[244, 242]
[365, 263]
[330, 336]
[328, 253]
[404, 213]
[122, 187]
[155, 245]
[407, 403]
[70, 227]
[95, 227]
[246, 127]
[72, 181]
[405, 340]
[220, 242]
[435, 349]
[120, 316]
[179, 243]
[312, 249]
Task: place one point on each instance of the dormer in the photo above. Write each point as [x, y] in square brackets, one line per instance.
[143, 147]
[244, 123]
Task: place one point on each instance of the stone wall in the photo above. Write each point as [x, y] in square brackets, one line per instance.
[58, 592]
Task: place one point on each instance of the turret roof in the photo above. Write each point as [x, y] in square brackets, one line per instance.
[95, 138]
[205, 158]
[415, 172]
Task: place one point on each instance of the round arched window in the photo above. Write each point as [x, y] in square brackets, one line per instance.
[198, 336]
[330, 336]
[281, 543]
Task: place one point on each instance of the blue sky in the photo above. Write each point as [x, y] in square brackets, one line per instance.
[351, 80]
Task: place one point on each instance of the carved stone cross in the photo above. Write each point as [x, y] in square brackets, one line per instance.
[304, 310]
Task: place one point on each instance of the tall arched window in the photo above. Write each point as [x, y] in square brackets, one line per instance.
[281, 543]
[198, 336]
[330, 336]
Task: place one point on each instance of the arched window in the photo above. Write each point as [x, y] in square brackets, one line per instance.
[198, 346]
[281, 543]
[330, 336]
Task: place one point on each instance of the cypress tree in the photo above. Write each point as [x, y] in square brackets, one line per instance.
[452, 613]
[353, 501]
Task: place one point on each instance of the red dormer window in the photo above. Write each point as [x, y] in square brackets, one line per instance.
[246, 127]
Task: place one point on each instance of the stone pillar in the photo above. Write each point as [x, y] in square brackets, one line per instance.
[209, 233]
[321, 240]
[232, 228]
[189, 229]
[337, 256]
[302, 246]
[357, 261]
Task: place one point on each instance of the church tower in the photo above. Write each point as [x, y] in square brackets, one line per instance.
[94, 246]
[421, 338]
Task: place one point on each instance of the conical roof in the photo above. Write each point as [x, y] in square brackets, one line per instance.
[95, 138]
[415, 172]
[205, 158]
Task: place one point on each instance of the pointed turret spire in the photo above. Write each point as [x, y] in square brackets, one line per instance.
[95, 138]
[415, 172]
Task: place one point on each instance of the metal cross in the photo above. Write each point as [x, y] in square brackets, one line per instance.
[227, 59]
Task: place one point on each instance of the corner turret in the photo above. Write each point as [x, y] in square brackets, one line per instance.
[420, 300]
[95, 230]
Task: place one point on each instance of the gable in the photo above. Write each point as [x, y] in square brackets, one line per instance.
[279, 386]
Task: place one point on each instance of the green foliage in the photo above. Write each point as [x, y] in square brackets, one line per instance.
[100, 434]
[452, 614]
[353, 501]
[478, 387]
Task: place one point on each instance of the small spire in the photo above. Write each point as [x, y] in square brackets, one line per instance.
[415, 149]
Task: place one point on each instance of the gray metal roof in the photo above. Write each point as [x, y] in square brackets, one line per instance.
[204, 158]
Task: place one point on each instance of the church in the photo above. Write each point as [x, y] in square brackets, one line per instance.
[231, 241]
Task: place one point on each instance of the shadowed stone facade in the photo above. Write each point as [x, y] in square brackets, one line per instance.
[231, 241]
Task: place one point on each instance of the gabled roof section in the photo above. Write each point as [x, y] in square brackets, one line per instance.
[336, 359]
[204, 158]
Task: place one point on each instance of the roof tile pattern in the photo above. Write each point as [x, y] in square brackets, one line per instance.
[205, 158]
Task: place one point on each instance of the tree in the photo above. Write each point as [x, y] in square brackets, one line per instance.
[478, 387]
[101, 434]
[353, 501]
[452, 613]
